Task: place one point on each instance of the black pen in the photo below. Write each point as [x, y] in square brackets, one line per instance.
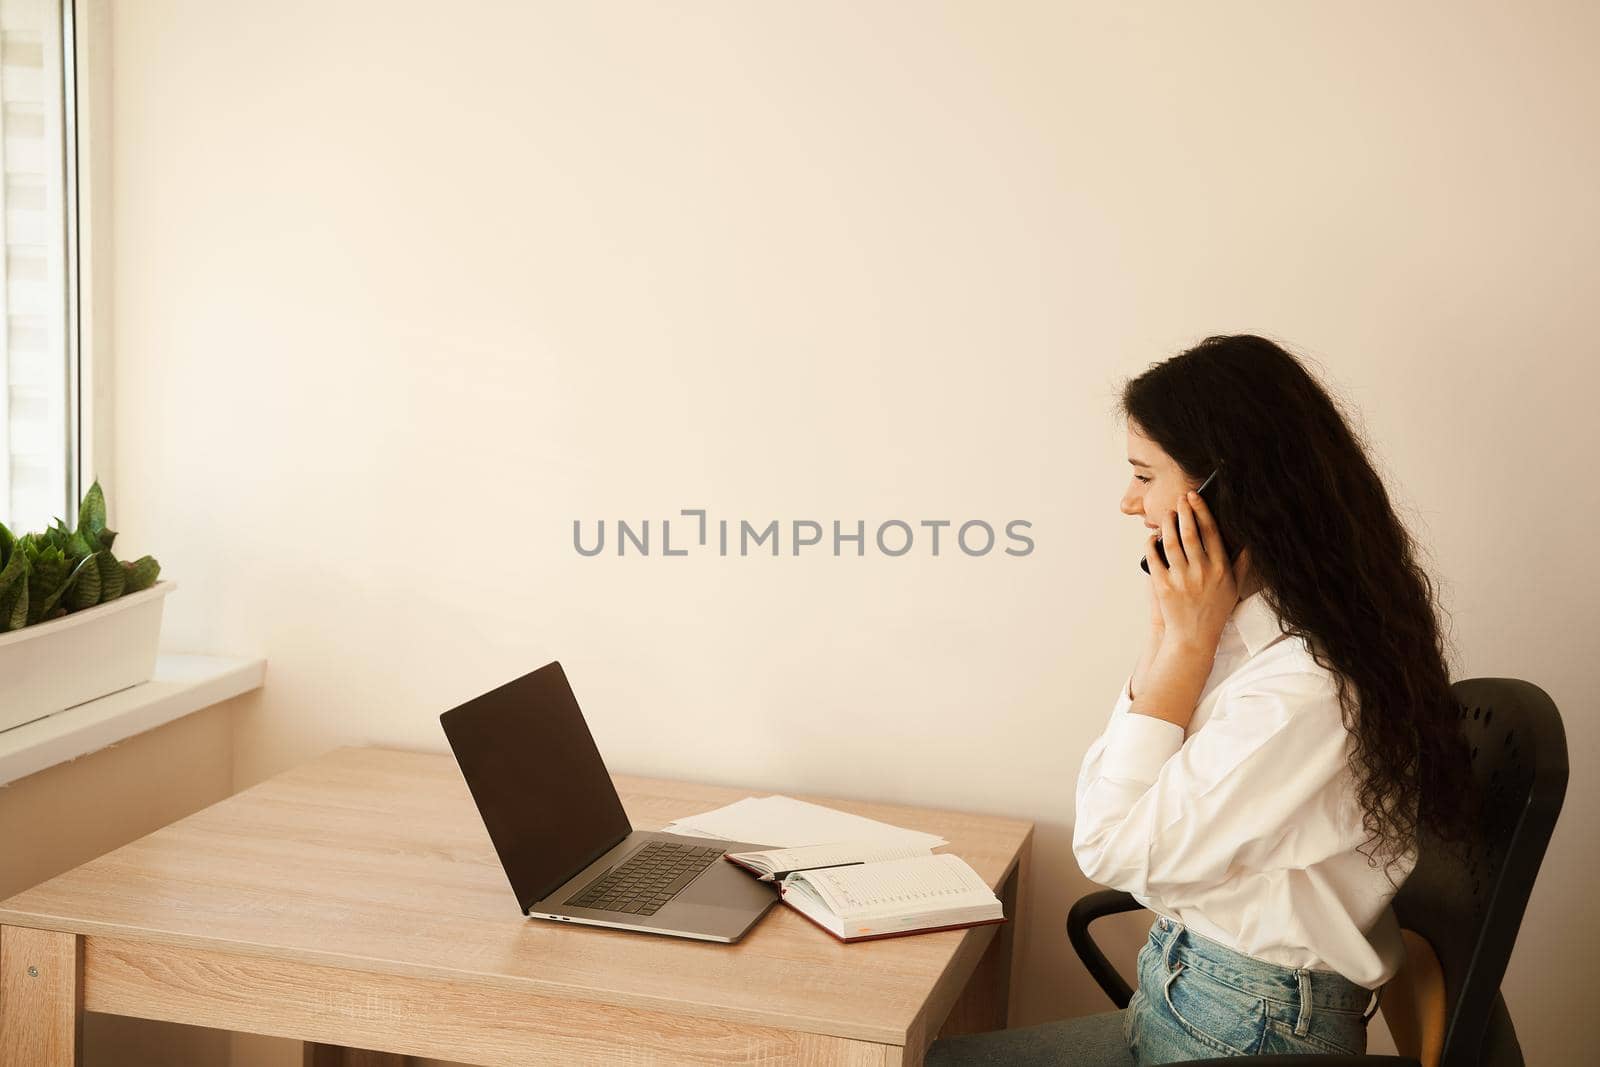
[780, 875]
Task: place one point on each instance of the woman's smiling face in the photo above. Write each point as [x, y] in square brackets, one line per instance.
[1157, 483]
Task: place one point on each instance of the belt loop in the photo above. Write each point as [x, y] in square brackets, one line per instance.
[1302, 1025]
[1174, 928]
[1377, 998]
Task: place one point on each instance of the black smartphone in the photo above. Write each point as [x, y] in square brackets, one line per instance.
[1207, 494]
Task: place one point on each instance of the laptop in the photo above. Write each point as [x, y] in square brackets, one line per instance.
[559, 829]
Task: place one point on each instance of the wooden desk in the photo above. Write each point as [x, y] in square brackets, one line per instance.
[356, 902]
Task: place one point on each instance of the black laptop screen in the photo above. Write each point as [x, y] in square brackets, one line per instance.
[538, 780]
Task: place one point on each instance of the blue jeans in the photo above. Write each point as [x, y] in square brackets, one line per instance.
[1196, 1000]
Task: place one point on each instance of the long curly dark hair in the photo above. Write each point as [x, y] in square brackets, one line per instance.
[1335, 563]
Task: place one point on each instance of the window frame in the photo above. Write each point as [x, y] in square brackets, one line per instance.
[86, 87]
[70, 260]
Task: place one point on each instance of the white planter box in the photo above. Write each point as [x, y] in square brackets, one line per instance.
[52, 666]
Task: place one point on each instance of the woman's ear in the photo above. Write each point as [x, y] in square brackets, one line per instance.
[1241, 568]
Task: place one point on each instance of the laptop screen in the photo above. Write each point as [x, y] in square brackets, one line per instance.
[538, 780]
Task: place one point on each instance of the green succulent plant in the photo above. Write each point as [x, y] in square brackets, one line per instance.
[44, 576]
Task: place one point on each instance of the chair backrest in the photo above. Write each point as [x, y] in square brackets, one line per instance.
[1467, 904]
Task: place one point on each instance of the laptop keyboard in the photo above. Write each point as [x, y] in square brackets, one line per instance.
[647, 879]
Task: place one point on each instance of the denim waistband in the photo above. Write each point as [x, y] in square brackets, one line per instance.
[1325, 990]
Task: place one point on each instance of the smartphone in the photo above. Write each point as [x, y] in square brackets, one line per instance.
[1207, 494]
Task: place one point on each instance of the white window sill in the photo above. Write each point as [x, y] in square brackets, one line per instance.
[183, 684]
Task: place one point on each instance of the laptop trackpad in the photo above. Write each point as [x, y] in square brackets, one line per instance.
[725, 885]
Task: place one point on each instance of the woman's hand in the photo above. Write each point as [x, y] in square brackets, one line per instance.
[1152, 641]
[1158, 621]
[1197, 590]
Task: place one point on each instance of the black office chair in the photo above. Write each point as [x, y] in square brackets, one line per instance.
[1459, 913]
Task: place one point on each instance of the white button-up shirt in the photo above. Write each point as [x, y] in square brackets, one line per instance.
[1244, 827]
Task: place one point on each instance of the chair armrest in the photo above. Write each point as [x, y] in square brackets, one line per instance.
[1089, 908]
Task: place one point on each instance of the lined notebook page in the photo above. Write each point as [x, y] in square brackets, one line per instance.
[914, 884]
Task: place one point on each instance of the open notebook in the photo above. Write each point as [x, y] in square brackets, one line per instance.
[864, 891]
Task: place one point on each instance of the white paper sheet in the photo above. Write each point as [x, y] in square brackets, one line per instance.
[783, 822]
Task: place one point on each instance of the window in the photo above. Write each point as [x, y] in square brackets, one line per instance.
[38, 290]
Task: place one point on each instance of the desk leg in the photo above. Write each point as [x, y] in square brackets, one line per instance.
[41, 998]
[985, 1002]
[317, 1055]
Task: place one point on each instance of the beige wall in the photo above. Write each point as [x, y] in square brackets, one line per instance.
[403, 289]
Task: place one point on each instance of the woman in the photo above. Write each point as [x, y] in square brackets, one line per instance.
[1288, 728]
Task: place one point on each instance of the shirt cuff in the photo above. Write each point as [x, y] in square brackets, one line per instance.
[1138, 746]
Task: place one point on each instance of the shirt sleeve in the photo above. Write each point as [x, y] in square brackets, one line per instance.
[1258, 787]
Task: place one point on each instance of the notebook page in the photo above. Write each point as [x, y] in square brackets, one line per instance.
[914, 884]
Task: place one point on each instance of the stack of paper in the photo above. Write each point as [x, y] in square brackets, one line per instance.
[783, 822]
